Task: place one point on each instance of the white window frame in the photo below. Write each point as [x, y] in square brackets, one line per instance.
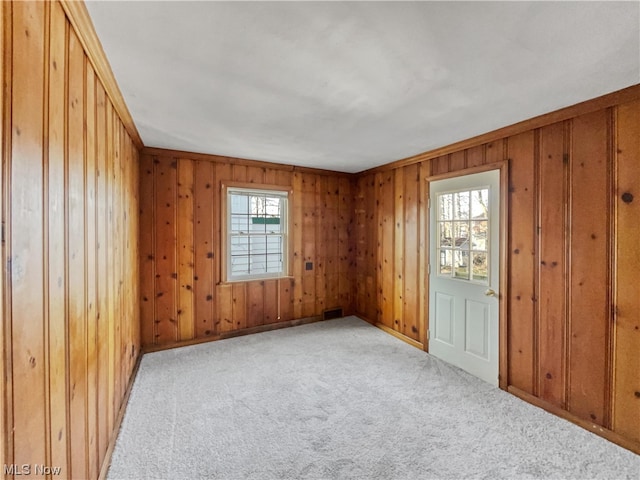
[269, 190]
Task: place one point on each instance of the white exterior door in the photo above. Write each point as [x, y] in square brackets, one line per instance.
[464, 272]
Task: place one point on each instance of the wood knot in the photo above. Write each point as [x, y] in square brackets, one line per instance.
[627, 197]
[32, 361]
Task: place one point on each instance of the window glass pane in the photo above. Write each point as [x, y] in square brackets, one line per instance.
[461, 264]
[446, 234]
[240, 264]
[461, 205]
[239, 203]
[480, 268]
[461, 235]
[480, 203]
[479, 233]
[445, 207]
[257, 225]
[445, 262]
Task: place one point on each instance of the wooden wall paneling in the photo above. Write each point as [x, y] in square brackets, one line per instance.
[26, 274]
[360, 232]
[440, 165]
[271, 301]
[458, 161]
[475, 156]
[6, 448]
[320, 226]
[225, 308]
[522, 256]
[239, 314]
[297, 254]
[423, 255]
[410, 317]
[110, 247]
[331, 243]
[255, 174]
[494, 151]
[118, 261]
[310, 213]
[387, 196]
[590, 303]
[56, 241]
[345, 215]
[103, 287]
[285, 291]
[255, 303]
[552, 198]
[90, 238]
[379, 235]
[186, 248]
[166, 271]
[626, 378]
[147, 249]
[205, 203]
[399, 250]
[76, 258]
[372, 257]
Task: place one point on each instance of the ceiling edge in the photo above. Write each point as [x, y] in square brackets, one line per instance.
[618, 97]
[80, 20]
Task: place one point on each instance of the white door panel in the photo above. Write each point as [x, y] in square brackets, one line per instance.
[464, 278]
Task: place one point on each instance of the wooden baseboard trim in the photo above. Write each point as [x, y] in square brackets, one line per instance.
[235, 333]
[592, 427]
[391, 331]
[106, 463]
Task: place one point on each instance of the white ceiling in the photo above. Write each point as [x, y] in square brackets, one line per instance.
[351, 85]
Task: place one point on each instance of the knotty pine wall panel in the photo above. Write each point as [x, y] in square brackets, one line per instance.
[183, 296]
[70, 320]
[573, 323]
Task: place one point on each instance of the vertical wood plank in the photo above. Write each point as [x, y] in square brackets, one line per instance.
[522, 255]
[271, 301]
[387, 195]
[296, 237]
[225, 307]
[308, 243]
[345, 216]
[255, 304]
[494, 151]
[440, 165]
[410, 322]
[103, 287]
[239, 313]
[626, 401]
[91, 271]
[399, 250]
[56, 239]
[26, 273]
[475, 156]
[76, 258]
[166, 271]
[147, 250]
[590, 303]
[458, 161]
[186, 248]
[205, 250]
[551, 271]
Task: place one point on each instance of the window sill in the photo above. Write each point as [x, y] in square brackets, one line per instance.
[250, 280]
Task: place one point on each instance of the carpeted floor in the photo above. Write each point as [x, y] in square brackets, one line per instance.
[339, 400]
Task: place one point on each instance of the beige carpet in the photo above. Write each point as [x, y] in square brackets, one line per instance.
[340, 400]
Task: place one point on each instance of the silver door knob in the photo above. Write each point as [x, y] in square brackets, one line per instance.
[490, 293]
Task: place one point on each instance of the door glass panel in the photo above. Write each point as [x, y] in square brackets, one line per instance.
[479, 231]
[461, 264]
[445, 262]
[445, 234]
[480, 267]
[461, 205]
[463, 233]
[445, 209]
[480, 203]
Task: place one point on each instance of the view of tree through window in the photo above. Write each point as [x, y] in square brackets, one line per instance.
[463, 235]
[257, 233]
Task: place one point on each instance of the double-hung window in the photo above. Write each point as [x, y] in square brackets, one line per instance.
[257, 242]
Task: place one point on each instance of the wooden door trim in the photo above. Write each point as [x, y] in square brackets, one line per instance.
[503, 168]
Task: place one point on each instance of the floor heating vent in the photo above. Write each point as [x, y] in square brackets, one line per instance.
[332, 313]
